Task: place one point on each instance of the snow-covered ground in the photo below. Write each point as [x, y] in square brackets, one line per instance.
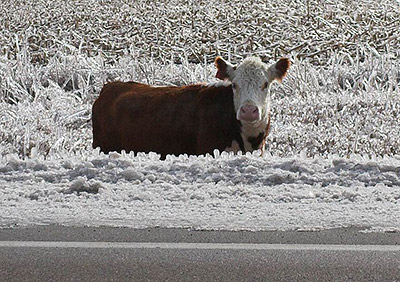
[226, 192]
[332, 158]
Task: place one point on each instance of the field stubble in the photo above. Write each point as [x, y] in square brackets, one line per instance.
[340, 97]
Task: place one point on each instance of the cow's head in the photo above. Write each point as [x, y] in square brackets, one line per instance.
[251, 81]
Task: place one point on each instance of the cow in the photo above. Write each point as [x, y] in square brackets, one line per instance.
[232, 115]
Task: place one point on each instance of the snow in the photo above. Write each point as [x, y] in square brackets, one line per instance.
[332, 157]
[242, 192]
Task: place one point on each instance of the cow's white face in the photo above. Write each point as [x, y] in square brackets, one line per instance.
[251, 82]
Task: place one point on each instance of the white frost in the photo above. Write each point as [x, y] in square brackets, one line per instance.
[332, 157]
[228, 192]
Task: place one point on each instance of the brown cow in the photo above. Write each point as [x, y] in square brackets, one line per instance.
[193, 119]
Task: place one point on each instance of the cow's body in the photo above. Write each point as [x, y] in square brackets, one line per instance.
[194, 119]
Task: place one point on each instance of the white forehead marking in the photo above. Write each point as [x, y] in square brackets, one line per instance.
[252, 69]
[249, 77]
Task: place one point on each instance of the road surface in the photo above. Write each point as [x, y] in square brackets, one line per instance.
[55, 253]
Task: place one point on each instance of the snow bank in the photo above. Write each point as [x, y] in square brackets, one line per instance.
[244, 192]
[332, 156]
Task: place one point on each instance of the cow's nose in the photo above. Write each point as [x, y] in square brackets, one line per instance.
[249, 113]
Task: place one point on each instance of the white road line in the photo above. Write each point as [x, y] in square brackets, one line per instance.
[197, 246]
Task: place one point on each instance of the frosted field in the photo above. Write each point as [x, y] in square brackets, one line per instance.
[333, 155]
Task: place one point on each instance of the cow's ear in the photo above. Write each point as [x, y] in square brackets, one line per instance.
[278, 70]
[224, 69]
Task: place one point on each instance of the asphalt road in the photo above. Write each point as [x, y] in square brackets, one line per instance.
[54, 253]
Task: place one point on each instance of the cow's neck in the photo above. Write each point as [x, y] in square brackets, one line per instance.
[254, 134]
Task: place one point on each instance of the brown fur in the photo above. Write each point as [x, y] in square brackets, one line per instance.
[221, 68]
[282, 67]
[192, 119]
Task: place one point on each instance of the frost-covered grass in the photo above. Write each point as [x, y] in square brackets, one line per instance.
[341, 95]
[335, 139]
[344, 107]
[192, 29]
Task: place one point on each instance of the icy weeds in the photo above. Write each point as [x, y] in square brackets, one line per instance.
[339, 109]
[226, 192]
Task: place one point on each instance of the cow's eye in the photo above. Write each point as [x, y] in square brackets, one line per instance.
[265, 86]
[233, 85]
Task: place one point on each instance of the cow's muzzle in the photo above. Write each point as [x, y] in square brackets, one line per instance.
[249, 113]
